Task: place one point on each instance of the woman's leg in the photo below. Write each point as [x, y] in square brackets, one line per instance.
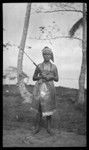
[38, 120]
[49, 130]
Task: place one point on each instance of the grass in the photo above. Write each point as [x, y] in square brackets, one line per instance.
[68, 117]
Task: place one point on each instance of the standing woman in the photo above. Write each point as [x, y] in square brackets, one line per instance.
[44, 90]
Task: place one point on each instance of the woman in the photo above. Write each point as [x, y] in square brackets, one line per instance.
[44, 90]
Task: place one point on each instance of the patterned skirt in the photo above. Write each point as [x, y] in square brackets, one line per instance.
[44, 95]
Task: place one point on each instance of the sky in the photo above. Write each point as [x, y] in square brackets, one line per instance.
[67, 52]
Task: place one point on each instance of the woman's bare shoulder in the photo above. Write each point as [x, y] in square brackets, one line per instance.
[53, 66]
[40, 65]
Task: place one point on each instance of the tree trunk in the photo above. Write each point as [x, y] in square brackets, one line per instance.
[83, 66]
[82, 80]
[23, 91]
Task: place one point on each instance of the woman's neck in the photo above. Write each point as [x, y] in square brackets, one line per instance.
[46, 62]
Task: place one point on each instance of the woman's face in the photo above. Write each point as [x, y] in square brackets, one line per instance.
[46, 57]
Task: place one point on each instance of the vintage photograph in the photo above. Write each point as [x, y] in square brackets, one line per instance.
[44, 74]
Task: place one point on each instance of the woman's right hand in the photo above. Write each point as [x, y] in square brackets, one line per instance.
[43, 75]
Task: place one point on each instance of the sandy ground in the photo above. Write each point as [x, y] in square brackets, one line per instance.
[25, 138]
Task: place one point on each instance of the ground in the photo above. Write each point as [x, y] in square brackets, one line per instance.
[68, 122]
[24, 138]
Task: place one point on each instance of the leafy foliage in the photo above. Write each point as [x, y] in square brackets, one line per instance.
[75, 27]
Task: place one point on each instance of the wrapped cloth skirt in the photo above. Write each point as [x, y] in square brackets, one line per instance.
[44, 95]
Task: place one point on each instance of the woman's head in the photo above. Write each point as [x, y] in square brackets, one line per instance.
[47, 54]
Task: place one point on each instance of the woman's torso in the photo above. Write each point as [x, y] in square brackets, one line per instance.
[48, 68]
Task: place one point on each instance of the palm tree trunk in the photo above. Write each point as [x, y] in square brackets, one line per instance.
[23, 39]
[83, 65]
[23, 91]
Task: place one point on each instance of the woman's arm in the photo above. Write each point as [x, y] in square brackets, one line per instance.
[36, 75]
[56, 78]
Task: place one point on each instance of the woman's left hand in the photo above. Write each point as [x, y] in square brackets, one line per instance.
[49, 77]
